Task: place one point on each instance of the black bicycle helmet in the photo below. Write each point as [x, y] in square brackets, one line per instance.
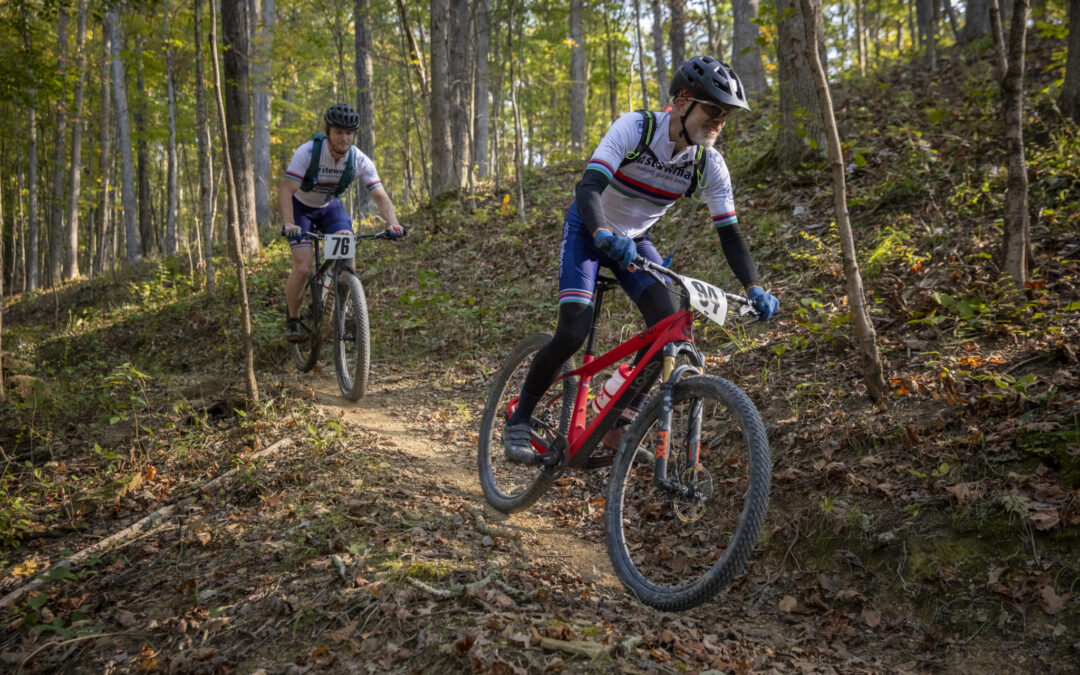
[342, 116]
[711, 80]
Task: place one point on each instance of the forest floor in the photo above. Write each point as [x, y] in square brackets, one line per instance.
[937, 533]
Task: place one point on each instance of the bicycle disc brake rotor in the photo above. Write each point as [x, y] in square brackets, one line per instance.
[690, 509]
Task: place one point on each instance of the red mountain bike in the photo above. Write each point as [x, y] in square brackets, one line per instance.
[689, 486]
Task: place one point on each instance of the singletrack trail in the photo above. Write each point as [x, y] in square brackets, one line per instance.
[401, 408]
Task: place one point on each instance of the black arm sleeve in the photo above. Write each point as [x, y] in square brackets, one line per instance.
[738, 254]
[587, 192]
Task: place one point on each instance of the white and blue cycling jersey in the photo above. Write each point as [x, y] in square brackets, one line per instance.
[642, 191]
[329, 173]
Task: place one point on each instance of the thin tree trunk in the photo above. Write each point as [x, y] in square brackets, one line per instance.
[105, 123]
[577, 76]
[131, 231]
[658, 51]
[30, 248]
[519, 154]
[234, 222]
[147, 231]
[460, 89]
[442, 153]
[57, 233]
[860, 36]
[365, 85]
[261, 64]
[613, 93]
[678, 32]
[799, 105]
[865, 335]
[745, 51]
[237, 100]
[640, 54]
[482, 121]
[1001, 59]
[1070, 90]
[1017, 226]
[71, 248]
[171, 199]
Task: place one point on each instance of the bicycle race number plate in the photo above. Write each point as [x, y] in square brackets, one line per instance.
[707, 299]
[338, 247]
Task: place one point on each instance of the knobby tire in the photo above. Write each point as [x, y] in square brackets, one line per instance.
[507, 486]
[306, 352]
[352, 341]
[655, 537]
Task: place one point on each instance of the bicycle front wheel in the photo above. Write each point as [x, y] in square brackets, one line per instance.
[676, 545]
[511, 487]
[352, 343]
[306, 352]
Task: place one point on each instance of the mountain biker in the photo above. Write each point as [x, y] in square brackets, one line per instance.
[308, 199]
[623, 191]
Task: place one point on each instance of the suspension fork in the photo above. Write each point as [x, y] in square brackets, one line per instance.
[663, 443]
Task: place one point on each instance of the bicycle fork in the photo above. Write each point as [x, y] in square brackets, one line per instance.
[662, 448]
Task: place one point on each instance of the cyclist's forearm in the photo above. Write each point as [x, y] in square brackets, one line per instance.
[587, 193]
[386, 207]
[285, 195]
[737, 253]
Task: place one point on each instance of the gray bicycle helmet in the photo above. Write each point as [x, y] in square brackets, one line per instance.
[711, 80]
[342, 116]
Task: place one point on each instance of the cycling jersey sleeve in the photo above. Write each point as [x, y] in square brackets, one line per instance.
[621, 138]
[298, 166]
[717, 193]
[365, 171]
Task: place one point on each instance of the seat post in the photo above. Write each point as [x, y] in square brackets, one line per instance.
[603, 284]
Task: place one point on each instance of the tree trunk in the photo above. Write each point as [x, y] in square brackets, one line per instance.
[577, 76]
[365, 85]
[57, 233]
[927, 38]
[147, 232]
[237, 95]
[234, 229]
[865, 335]
[658, 51]
[800, 120]
[261, 63]
[171, 199]
[1070, 91]
[482, 121]
[519, 153]
[640, 54]
[206, 171]
[460, 88]
[1017, 227]
[131, 231]
[613, 92]
[442, 153]
[416, 58]
[71, 246]
[745, 51]
[860, 35]
[678, 33]
[105, 122]
[976, 20]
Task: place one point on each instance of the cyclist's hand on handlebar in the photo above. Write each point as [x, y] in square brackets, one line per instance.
[621, 249]
[290, 230]
[395, 231]
[765, 303]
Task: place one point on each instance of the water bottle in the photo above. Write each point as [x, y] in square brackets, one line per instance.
[611, 387]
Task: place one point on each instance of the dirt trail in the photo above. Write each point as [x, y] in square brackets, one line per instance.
[397, 407]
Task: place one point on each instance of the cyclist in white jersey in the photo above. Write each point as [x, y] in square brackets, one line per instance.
[317, 208]
[622, 194]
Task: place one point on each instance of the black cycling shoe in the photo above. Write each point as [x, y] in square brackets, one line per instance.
[292, 330]
[517, 444]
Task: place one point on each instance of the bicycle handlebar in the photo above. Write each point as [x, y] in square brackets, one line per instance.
[381, 234]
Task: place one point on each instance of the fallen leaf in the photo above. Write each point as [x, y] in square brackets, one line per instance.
[788, 604]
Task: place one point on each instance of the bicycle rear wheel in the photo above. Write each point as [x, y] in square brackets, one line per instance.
[511, 487]
[306, 352]
[352, 343]
[675, 547]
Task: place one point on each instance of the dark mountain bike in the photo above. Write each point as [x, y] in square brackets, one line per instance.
[689, 485]
[347, 324]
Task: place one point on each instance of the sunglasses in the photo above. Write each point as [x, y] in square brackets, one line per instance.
[713, 110]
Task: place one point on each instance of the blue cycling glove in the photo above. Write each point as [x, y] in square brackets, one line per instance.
[764, 302]
[619, 248]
